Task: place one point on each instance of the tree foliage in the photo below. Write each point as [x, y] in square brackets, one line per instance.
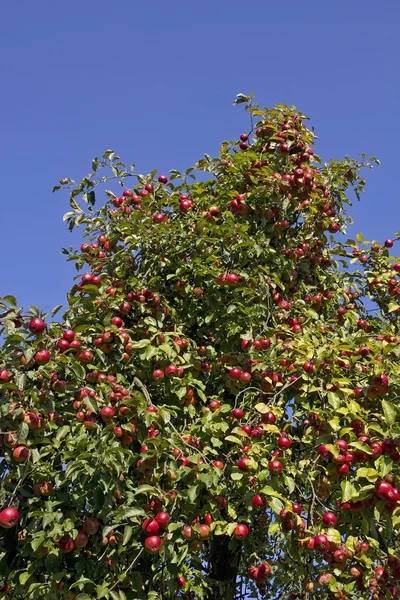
[218, 406]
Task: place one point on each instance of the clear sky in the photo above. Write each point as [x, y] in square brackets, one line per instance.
[155, 81]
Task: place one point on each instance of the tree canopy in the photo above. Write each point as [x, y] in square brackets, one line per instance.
[217, 408]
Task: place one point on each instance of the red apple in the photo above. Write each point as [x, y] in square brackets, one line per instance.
[258, 501]
[66, 544]
[275, 466]
[91, 525]
[162, 519]
[158, 374]
[150, 526]
[42, 357]
[107, 413]
[37, 326]
[20, 454]
[153, 544]
[69, 335]
[329, 519]
[238, 413]
[9, 517]
[241, 532]
[81, 540]
[188, 532]
[204, 531]
[284, 443]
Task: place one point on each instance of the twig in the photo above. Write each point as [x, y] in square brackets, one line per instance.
[187, 444]
[244, 391]
[129, 568]
[146, 394]
[22, 478]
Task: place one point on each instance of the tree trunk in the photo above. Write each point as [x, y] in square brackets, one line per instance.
[224, 566]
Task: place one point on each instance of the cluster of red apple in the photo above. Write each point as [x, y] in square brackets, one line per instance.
[67, 544]
[260, 574]
[151, 527]
[231, 279]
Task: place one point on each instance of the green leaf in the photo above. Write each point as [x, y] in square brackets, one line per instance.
[144, 489]
[193, 493]
[9, 299]
[56, 309]
[276, 505]
[62, 432]
[269, 491]
[389, 412]
[289, 482]
[127, 534]
[233, 439]
[361, 446]
[241, 98]
[23, 578]
[81, 581]
[370, 474]
[348, 491]
[22, 432]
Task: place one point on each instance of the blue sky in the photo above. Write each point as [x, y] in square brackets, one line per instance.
[155, 81]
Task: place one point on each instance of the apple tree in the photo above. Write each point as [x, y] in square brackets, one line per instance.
[216, 413]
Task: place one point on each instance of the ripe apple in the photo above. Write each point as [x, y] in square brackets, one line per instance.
[42, 357]
[204, 531]
[37, 326]
[329, 519]
[268, 417]
[158, 374]
[66, 544]
[20, 454]
[107, 413]
[238, 413]
[4, 376]
[284, 443]
[31, 419]
[232, 279]
[258, 501]
[91, 525]
[235, 373]
[158, 218]
[321, 542]
[86, 356]
[171, 371]
[150, 526]
[242, 463]
[153, 544]
[81, 540]
[221, 502]
[162, 519]
[208, 519]
[63, 345]
[69, 335]
[382, 488]
[241, 532]
[188, 532]
[275, 466]
[9, 517]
